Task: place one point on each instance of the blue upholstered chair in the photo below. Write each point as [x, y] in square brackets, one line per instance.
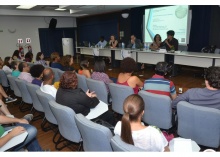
[56, 75]
[119, 93]
[157, 110]
[82, 82]
[120, 146]
[44, 99]
[26, 98]
[95, 136]
[201, 124]
[32, 88]
[66, 124]
[4, 79]
[60, 72]
[99, 88]
[16, 90]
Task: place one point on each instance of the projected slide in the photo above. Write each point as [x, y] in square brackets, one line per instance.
[160, 20]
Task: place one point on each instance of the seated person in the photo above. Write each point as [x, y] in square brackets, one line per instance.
[8, 99]
[113, 42]
[55, 57]
[156, 44]
[21, 125]
[69, 95]
[1, 63]
[7, 64]
[133, 131]
[47, 84]
[99, 73]
[25, 69]
[40, 59]
[134, 42]
[158, 84]
[28, 57]
[16, 55]
[4, 110]
[208, 96]
[128, 66]
[102, 43]
[170, 43]
[14, 66]
[84, 65]
[37, 73]
[67, 62]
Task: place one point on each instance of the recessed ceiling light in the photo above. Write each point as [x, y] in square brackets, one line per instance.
[60, 9]
[25, 6]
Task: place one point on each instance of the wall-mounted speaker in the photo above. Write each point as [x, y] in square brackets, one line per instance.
[53, 23]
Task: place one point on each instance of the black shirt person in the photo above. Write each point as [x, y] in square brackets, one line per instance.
[170, 43]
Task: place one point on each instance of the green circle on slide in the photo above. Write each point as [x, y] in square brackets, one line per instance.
[180, 12]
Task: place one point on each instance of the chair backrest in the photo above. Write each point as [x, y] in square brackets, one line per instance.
[32, 90]
[44, 99]
[99, 88]
[60, 72]
[201, 124]
[66, 121]
[11, 79]
[157, 110]
[26, 97]
[119, 93]
[95, 137]
[30, 64]
[82, 82]
[4, 79]
[56, 75]
[120, 146]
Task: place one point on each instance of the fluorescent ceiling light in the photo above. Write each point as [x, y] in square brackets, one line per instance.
[60, 9]
[63, 6]
[73, 11]
[25, 6]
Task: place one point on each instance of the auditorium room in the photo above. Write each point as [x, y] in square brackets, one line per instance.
[110, 78]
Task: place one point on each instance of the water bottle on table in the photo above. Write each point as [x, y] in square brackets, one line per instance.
[122, 45]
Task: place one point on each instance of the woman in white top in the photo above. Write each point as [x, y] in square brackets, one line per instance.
[7, 64]
[133, 131]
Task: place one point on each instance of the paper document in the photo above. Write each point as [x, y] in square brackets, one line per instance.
[14, 141]
[98, 110]
[182, 145]
[125, 53]
[162, 50]
[95, 51]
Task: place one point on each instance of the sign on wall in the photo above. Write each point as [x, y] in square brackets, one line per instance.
[20, 41]
[28, 40]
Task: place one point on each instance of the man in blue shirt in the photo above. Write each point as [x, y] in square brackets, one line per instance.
[102, 43]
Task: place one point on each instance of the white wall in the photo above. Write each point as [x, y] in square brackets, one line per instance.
[26, 27]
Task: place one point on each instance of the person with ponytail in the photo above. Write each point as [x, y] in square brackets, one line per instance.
[133, 131]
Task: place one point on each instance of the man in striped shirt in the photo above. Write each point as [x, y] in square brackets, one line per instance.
[158, 84]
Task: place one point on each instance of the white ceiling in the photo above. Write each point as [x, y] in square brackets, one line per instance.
[49, 10]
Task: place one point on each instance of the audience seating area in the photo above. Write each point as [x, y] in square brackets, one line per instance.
[197, 123]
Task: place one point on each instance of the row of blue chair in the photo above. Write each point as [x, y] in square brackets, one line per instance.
[191, 125]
